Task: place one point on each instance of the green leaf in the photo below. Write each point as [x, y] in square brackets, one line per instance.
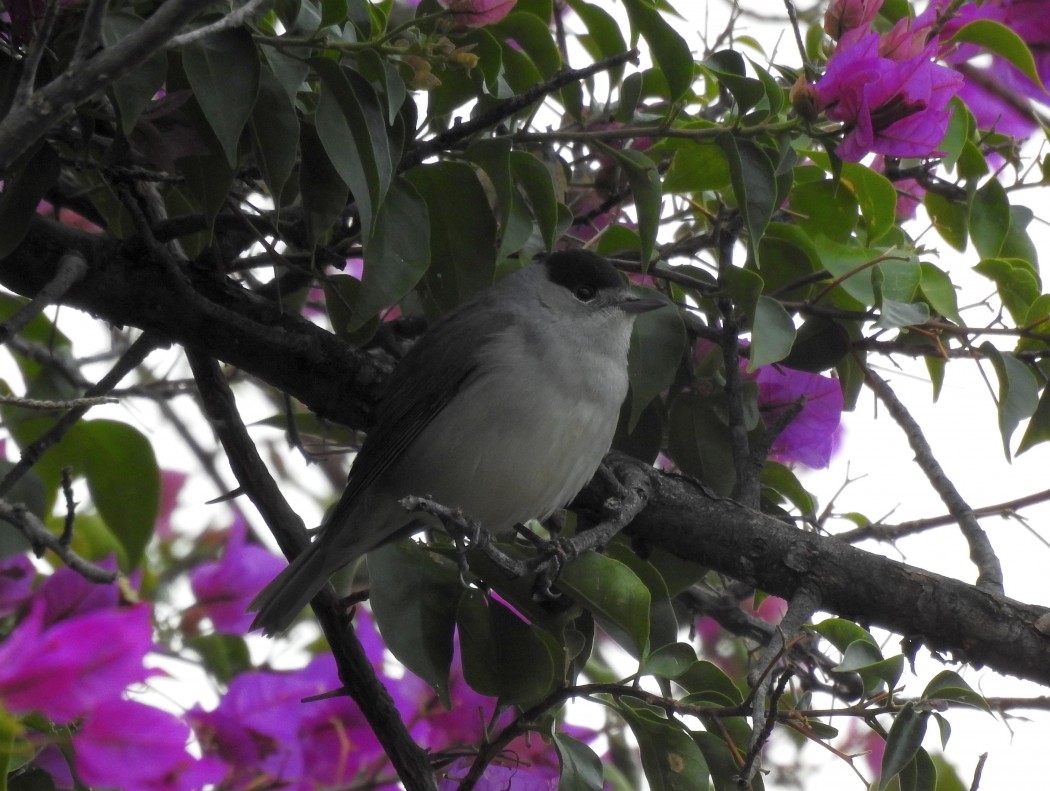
[783, 480]
[223, 70]
[396, 255]
[1039, 426]
[534, 36]
[275, 133]
[123, 478]
[841, 633]
[728, 66]
[1016, 281]
[603, 37]
[1004, 42]
[903, 742]
[990, 219]
[671, 760]
[668, 48]
[1018, 392]
[707, 683]
[461, 264]
[697, 166]
[351, 123]
[699, 441]
[614, 594]
[534, 179]
[323, 189]
[657, 345]
[950, 218]
[414, 598]
[827, 208]
[819, 345]
[864, 659]
[949, 685]
[669, 661]
[580, 768]
[133, 92]
[502, 655]
[939, 291]
[515, 222]
[24, 188]
[754, 184]
[644, 179]
[772, 333]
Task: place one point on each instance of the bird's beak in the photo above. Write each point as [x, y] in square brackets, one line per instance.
[633, 304]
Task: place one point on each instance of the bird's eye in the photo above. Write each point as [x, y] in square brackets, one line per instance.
[584, 293]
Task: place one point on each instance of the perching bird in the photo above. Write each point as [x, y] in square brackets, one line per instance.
[503, 409]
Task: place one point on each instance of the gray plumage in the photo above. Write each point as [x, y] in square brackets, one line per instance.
[504, 409]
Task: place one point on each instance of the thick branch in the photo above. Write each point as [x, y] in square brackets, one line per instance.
[125, 285]
[948, 615]
[340, 383]
[28, 122]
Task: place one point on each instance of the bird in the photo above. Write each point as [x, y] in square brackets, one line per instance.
[503, 409]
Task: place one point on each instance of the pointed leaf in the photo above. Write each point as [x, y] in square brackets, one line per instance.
[754, 183]
[580, 768]
[772, 333]
[614, 594]
[133, 92]
[903, 742]
[1018, 392]
[1001, 40]
[657, 345]
[414, 598]
[223, 70]
[396, 255]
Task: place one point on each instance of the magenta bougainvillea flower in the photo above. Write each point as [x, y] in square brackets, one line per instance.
[891, 107]
[223, 588]
[134, 747]
[845, 15]
[478, 13]
[64, 670]
[16, 583]
[812, 437]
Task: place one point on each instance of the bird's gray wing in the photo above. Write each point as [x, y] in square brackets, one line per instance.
[441, 364]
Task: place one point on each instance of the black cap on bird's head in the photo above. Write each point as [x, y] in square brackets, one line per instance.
[587, 275]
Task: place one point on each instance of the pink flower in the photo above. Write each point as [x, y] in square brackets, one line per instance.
[478, 13]
[225, 587]
[812, 437]
[134, 747]
[845, 15]
[16, 583]
[896, 108]
[63, 671]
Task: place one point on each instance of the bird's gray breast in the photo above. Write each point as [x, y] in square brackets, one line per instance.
[527, 433]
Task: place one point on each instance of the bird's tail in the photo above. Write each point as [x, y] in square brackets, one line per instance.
[289, 592]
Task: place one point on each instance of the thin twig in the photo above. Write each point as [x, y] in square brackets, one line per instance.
[131, 359]
[71, 268]
[800, 609]
[231, 20]
[71, 507]
[71, 403]
[42, 539]
[990, 572]
[811, 73]
[41, 41]
[883, 532]
[508, 107]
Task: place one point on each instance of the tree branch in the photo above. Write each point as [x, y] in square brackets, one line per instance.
[342, 384]
[990, 572]
[31, 120]
[355, 671]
